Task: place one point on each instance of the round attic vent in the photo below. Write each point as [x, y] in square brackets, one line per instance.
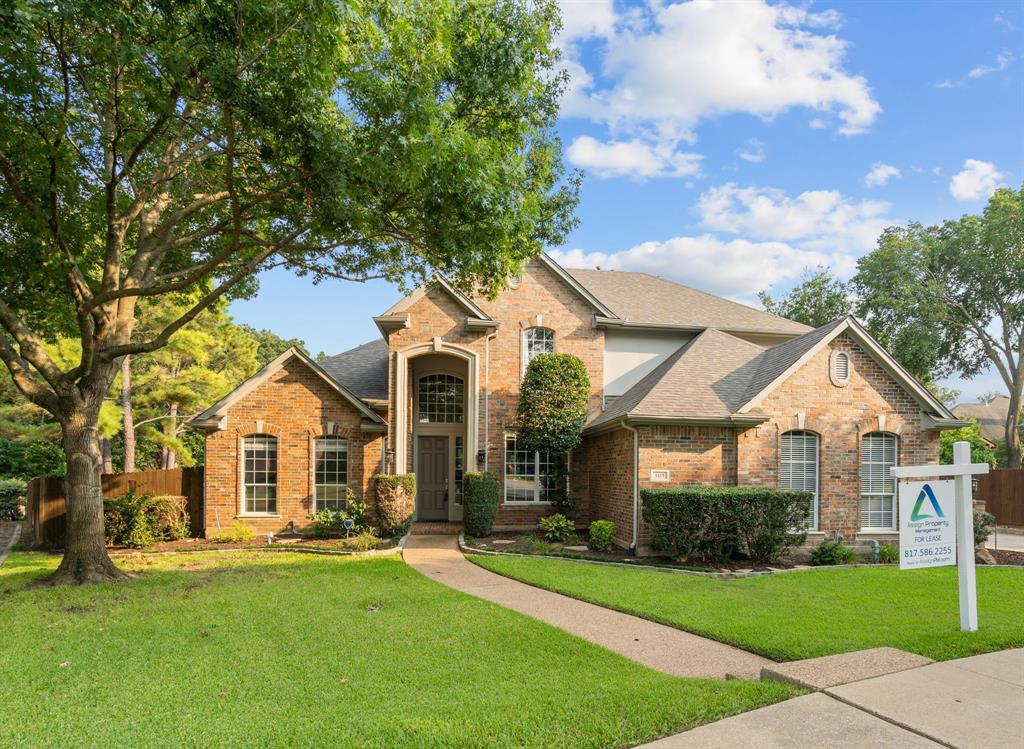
[841, 367]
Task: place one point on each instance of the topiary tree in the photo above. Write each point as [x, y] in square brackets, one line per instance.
[553, 403]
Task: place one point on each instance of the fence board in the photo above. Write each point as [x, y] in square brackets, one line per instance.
[1003, 492]
[45, 498]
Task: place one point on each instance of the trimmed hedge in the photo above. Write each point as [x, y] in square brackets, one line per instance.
[396, 501]
[712, 523]
[480, 494]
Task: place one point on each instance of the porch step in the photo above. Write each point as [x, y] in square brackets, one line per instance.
[436, 529]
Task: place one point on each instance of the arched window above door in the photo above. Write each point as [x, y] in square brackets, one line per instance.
[440, 399]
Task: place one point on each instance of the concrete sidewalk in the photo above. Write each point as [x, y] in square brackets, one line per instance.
[665, 649]
[970, 703]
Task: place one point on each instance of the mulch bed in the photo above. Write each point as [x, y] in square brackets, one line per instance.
[202, 544]
[1005, 556]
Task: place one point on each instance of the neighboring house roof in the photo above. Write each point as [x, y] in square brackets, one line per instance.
[363, 370]
[640, 299]
[210, 418]
[703, 381]
[991, 416]
[719, 378]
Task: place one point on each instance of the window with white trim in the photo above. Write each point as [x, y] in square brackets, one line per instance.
[440, 399]
[798, 468]
[531, 476]
[537, 341]
[330, 473]
[260, 467]
[878, 453]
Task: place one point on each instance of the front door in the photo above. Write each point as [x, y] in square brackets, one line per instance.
[432, 478]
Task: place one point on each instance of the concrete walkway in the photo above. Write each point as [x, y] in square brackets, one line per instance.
[665, 649]
[9, 533]
[970, 703]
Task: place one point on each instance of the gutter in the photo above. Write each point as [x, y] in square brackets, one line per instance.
[636, 487]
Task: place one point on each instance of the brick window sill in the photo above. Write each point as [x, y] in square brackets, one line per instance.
[257, 515]
[526, 504]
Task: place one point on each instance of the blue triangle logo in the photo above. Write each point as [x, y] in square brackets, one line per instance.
[926, 493]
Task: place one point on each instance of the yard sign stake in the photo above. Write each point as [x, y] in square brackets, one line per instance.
[961, 471]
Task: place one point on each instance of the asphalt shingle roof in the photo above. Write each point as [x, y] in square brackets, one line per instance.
[991, 416]
[645, 299]
[363, 370]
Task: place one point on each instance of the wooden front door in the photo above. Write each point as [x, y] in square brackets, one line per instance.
[432, 478]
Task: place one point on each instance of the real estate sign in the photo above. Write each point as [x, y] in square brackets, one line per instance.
[927, 512]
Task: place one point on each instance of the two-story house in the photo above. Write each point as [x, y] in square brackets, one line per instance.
[686, 388]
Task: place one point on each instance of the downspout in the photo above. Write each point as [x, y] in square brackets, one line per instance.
[487, 398]
[636, 487]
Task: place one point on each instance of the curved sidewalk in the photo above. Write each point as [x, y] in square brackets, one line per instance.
[665, 649]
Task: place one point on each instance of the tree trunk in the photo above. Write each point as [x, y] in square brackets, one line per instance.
[171, 460]
[1013, 454]
[108, 455]
[85, 554]
[127, 419]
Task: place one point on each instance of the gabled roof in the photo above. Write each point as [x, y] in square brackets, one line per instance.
[363, 369]
[211, 416]
[718, 378]
[643, 300]
[576, 285]
[991, 416]
[702, 382]
[778, 363]
[436, 280]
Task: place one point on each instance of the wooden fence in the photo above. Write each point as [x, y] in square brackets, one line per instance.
[1003, 492]
[45, 498]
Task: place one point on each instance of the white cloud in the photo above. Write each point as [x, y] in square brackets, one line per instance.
[978, 179]
[674, 65]
[1003, 60]
[585, 19]
[752, 151]
[734, 268]
[632, 158]
[880, 174]
[1001, 20]
[816, 219]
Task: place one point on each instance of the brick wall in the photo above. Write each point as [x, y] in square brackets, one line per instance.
[295, 405]
[606, 465]
[872, 401]
[541, 299]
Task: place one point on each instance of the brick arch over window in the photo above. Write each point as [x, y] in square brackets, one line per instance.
[890, 422]
[258, 426]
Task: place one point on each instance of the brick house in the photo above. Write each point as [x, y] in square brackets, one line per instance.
[687, 388]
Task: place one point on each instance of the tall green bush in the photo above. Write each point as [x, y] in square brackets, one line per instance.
[12, 499]
[396, 501]
[552, 403]
[140, 519]
[480, 494]
[712, 523]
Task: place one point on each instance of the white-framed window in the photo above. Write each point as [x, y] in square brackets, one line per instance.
[530, 476]
[440, 399]
[537, 341]
[330, 473]
[798, 468]
[260, 468]
[878, 453]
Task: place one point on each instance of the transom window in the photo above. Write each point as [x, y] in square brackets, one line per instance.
[440, 399]
[878, 453]
[798, 468]
[530, 476]
[330, 473]
[260, 455]
[537, 341]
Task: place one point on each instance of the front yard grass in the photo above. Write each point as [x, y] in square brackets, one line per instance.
[286, 649]
[803, 614]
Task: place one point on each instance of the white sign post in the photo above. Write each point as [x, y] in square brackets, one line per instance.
[937, 515]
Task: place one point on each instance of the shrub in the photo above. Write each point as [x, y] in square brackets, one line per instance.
[714, 522]
[601, 533]
[396, 500]
[557, 527]
[888, 553]
[553, 403]
[364, 541]
[328, 522]
[140, 519]
[832, 552]
[480, 494]
[984, 522]
[238, 532]
[12, 499]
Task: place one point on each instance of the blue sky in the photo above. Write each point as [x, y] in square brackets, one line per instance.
[731, 145]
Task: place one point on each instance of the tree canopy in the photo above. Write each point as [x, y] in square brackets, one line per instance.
[818, 299]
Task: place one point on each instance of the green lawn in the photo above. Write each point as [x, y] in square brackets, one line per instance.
[800, 614]
[254, 649]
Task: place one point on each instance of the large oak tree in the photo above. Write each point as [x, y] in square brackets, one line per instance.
[157, 147]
